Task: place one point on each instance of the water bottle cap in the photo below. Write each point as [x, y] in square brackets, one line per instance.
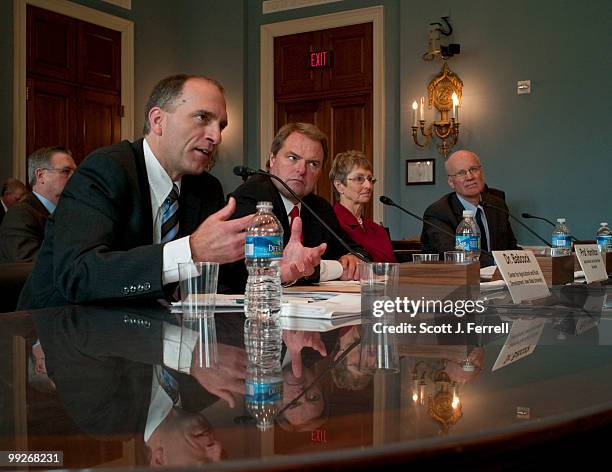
[604, 223]
[267, 205]
[560, 220]
[468, 213]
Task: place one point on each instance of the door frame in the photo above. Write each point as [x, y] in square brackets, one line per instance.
[80, 12]
[268, 32]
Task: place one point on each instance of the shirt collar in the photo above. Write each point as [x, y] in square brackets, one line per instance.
[289, 204]
[468, 205]
[4, 205]
[159, 180]
[49, 205]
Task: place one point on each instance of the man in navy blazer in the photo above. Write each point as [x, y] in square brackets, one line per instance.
[104, 239]
[466, 177]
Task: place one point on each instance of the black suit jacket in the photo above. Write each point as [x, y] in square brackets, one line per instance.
[260, 188]
[101, 361]
[22, 230]
[98, 244]
[448, 213]
[2, 213]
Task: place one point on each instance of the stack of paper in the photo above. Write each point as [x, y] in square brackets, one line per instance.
[344, 305]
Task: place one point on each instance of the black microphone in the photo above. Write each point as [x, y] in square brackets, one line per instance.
[243, 171]
[529, 215]
[486, 204]
[387, 201]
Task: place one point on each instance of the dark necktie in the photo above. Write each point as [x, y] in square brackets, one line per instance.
[293, 214]
[484, 244]
[170, 216]
[168, 382]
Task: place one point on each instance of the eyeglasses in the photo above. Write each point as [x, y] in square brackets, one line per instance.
[360, 179]
[67, 172]
[462, 174]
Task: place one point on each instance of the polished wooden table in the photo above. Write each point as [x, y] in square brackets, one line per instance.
[94, 405]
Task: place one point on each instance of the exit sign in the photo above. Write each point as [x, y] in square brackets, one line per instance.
[319, 59]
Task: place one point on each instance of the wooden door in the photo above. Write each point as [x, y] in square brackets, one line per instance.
[73, 83]
[336, 98]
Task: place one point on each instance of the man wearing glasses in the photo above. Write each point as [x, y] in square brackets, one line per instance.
[466, 177]
[23, 228]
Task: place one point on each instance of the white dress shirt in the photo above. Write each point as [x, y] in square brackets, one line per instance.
[160, 186]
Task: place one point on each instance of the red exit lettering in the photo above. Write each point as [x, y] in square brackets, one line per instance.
[319, 435]
[319, 59]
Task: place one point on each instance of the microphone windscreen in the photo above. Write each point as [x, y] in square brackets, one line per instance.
[241, 171]
[385, 200]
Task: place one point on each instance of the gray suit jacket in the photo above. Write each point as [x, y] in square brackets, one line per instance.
[99, 241]
[22, 230]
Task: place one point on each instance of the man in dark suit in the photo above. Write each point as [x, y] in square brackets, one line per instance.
[23, 228]
[133, 211]
[12, 191]
[466, 178]
[104, 241]
[297, 155]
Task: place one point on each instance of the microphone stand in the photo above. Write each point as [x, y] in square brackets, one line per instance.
[486, 204]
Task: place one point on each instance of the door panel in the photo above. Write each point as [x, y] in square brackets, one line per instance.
[101, 124]
[99, 57]
[50, 115]
[51, 44]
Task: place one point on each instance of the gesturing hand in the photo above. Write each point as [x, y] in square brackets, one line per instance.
[298, 340]
[299, 261]
[218, 239]
[228, 377]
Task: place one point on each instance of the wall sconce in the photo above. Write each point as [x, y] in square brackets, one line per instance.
[444, 93]
[436, 392]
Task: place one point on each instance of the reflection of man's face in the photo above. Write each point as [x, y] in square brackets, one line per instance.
[310, 405]
[183, 439]
[298, 163]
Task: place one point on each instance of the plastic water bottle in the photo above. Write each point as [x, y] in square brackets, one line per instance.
[561, 237]
[264, 380]
[467, 236]
[262, 305]
[263, 251]
[604, 238]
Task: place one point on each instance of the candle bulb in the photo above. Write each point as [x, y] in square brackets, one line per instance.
[422, 108]
[414, 113]
[455, 107]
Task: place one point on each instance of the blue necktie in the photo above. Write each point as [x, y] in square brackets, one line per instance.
[170, 216]
[484, 243]
[168, 383]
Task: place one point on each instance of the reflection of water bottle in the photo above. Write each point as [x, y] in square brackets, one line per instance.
[264, 381]
[263, 251]
[561, 238]
[467, 236]
[604, 238]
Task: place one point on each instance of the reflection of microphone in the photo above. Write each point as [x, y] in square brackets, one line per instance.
[244, 171]
[529, 215]
[503, 210]
[388, 201]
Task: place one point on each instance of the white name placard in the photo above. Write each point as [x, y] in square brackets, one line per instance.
[591, 262]
[522, 274]
[521, 342]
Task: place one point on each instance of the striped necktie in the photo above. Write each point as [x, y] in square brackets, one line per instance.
[170, 216]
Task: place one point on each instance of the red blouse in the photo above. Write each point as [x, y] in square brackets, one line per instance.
[372, 237]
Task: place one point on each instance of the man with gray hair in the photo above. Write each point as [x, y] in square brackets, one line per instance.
[23, 228]
[12, 191]
[465, 176]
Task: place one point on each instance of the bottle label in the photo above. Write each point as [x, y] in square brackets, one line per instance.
[561, 240]
[263, 392]
[467, 243]
[604, 241]
[263, 247]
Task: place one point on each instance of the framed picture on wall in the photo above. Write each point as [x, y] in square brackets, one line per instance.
[420, 171]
